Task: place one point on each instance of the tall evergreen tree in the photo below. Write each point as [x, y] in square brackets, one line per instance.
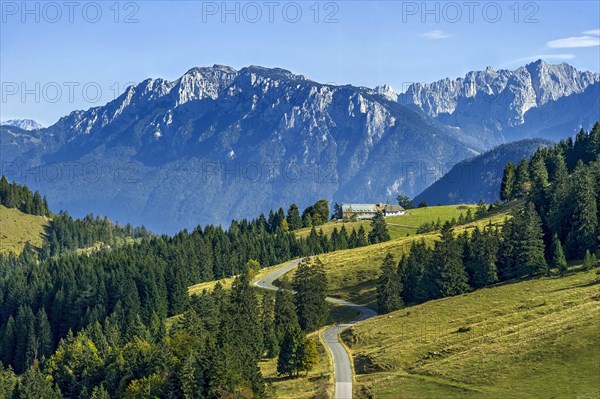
[584, 232]
[448, 276]
[414, 284]
[289, 361]
[558, 257]
[379, 232]
[530, 248]
[507, 187]
[310, 284]
[285, 314]
[389, 286]
[522, 182]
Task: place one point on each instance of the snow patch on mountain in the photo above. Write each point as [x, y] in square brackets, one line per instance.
[25, 124]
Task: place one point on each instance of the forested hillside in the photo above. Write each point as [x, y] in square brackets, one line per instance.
[95, 321]
[555, 220]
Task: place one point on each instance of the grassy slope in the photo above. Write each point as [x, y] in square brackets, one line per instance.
[16, 228]
[532, 339]
[352, 274]
[399, 226]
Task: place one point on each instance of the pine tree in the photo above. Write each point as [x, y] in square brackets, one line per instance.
[99, 393]
[558, 257]
[43, 334]
[35, 386]
[244, 311]
[268, 326]
[310, 284]
[522, 182]
[507, 187]
[482, 257]
[285, 314]
[448, 276]
[589, 260]
[419, 259]
[8, 382]
[584, 231]
[289, 361]
[481, 209]
[379, 232]
[309, 356]
[7, 350]
[361, 237]
[389, 286]
[530, 246]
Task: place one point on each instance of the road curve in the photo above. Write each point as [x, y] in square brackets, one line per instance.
[342, 365]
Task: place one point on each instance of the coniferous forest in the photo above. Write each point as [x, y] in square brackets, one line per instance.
[555, 196]
[95, 321]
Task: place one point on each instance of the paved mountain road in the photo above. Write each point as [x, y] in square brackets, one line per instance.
[342, 365]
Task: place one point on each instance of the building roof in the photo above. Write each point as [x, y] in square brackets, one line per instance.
[371, 208]
[393, 208]
[359, 208]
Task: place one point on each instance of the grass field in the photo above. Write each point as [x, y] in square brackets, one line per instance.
[16, 228]
[352, 274]
[399, 226]
[532, 339]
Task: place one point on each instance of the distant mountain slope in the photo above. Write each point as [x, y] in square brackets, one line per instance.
[478, 177]
[25, 124]
[219, 143]
[536, 100]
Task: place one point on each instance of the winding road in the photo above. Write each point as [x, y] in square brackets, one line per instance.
[342, 365]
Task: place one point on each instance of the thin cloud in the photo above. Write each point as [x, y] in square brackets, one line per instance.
[594, 32]
[574, 42]
[436, 35]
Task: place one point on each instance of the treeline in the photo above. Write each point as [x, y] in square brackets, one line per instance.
[563, 183]
[559, 188]
[64, 233]
[13, 195]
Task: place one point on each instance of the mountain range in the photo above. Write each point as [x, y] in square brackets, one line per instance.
[536, 100]
[220, 143]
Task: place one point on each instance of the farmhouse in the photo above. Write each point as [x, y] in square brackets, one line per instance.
[367, 211]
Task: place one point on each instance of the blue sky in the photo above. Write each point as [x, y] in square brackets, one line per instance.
[56, 58]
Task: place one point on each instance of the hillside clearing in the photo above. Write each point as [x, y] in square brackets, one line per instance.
[16, 228]
[398, 226]
[352, 274]
[532, 339]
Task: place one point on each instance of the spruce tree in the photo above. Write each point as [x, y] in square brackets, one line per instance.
[507, 187]
[361, 237]
[413, 282]
[448, 275]
[310, 284]
[522, 182]
[285, 314]
[309, 356]
[530, 248]
[584, 231]
[558, 257]
[389, 286]
[379, 232]
[589, 260]
[289, 361]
